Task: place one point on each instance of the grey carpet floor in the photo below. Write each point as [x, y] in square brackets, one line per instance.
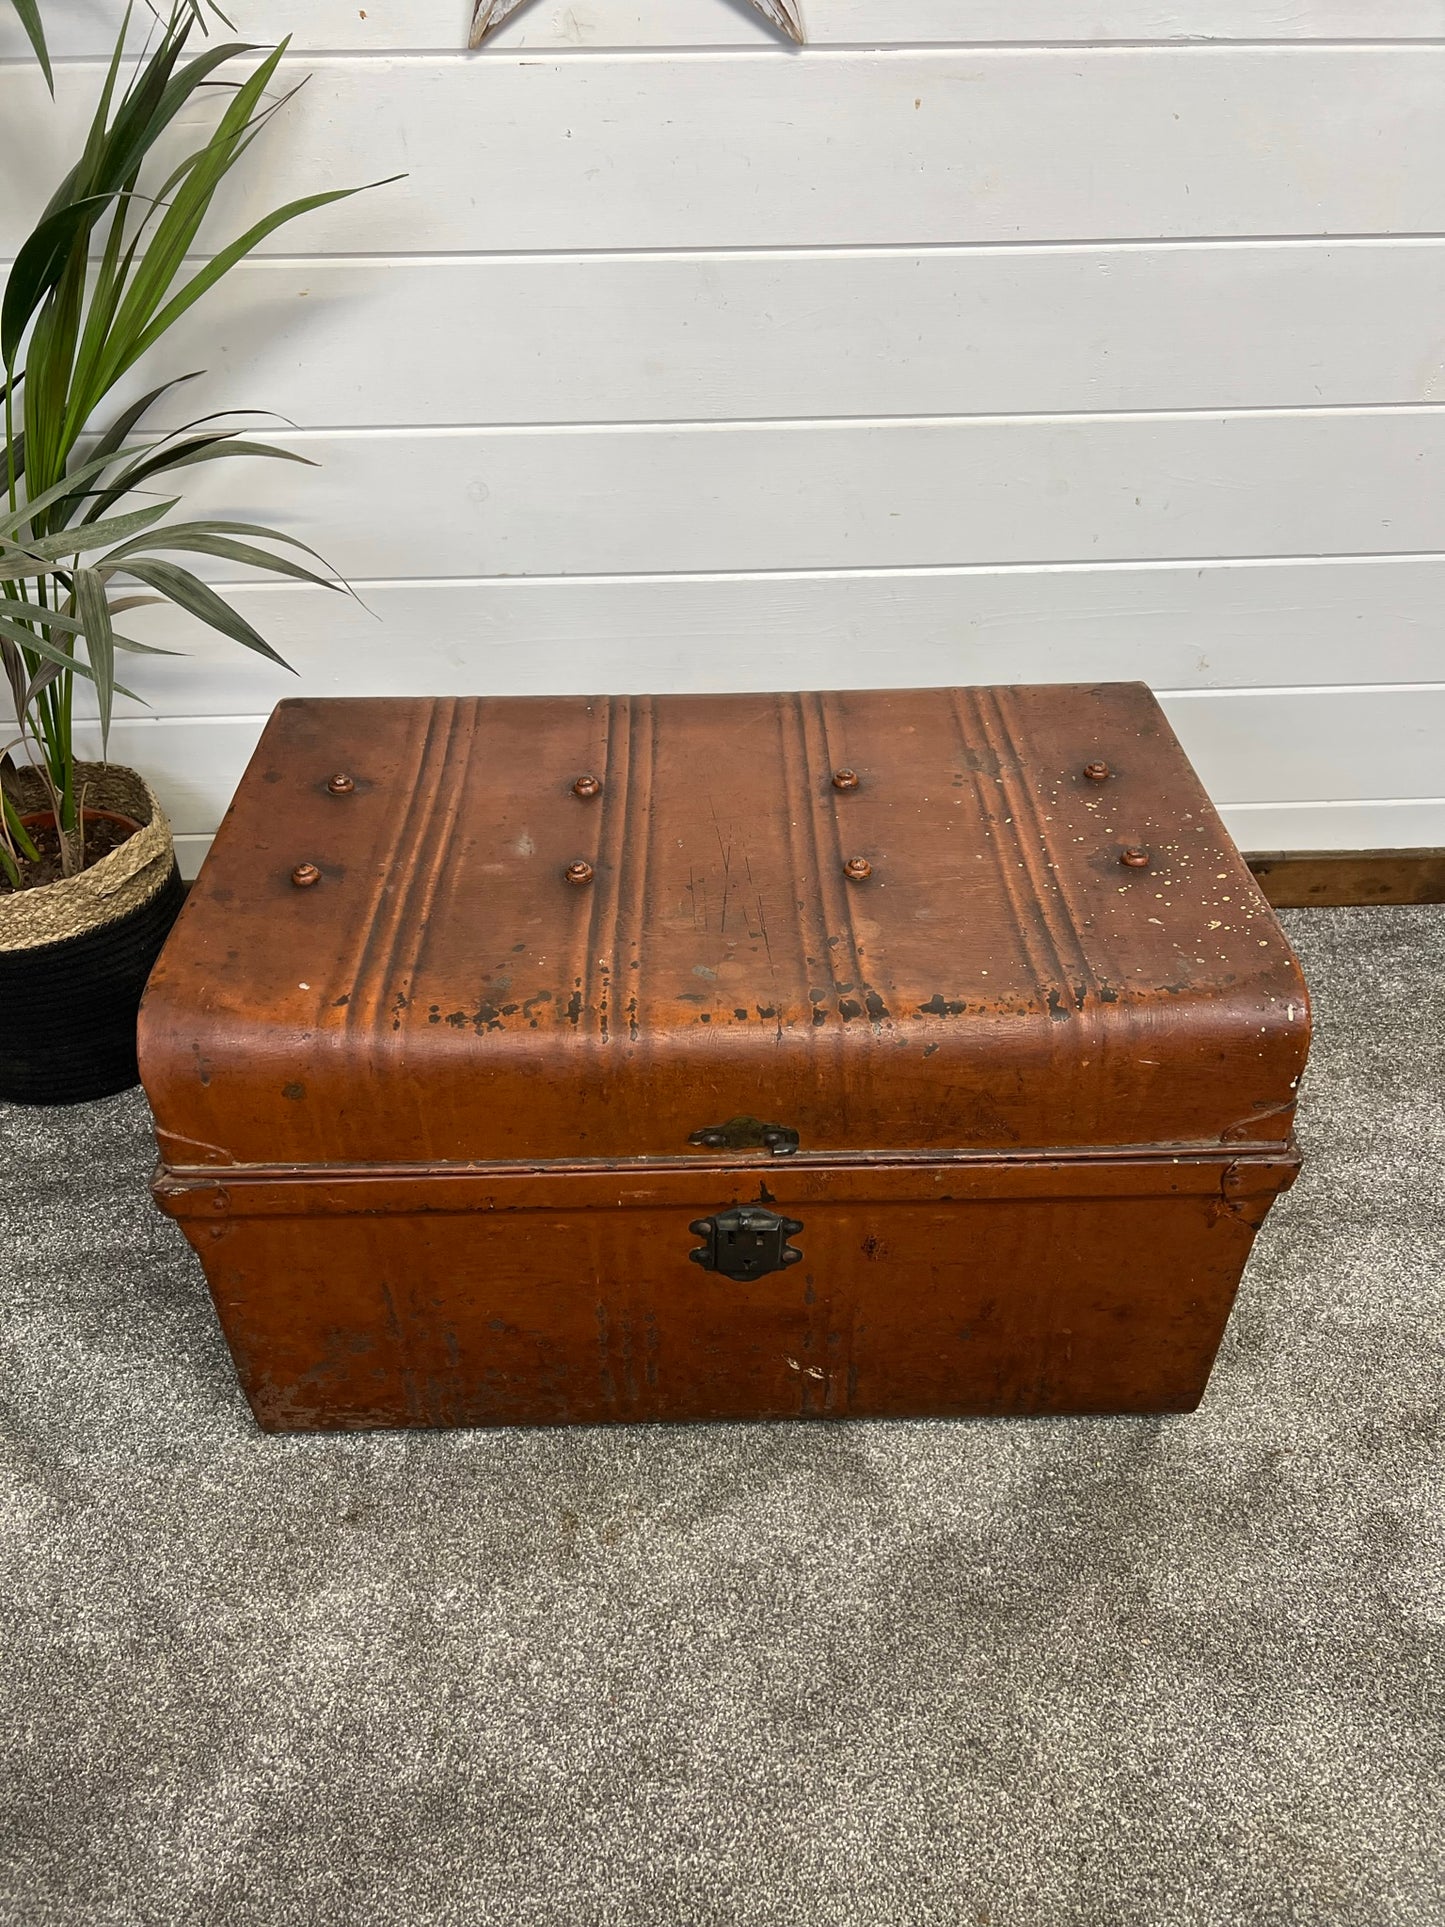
[1123, 1673]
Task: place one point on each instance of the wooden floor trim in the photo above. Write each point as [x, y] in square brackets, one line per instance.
[1324, 879]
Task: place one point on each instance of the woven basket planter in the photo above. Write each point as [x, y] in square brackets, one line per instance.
[75, 955]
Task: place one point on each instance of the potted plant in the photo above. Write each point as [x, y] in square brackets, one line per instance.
[88, 879]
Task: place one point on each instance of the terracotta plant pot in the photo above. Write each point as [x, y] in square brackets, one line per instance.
[75, 954]
[45, 819]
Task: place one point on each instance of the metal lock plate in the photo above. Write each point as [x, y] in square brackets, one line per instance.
[746, 1242]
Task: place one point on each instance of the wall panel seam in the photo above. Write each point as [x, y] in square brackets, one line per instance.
[766, 424]
[843, 251]
[903, 571]
[833, 51]
[1231, 692]
[1341, 803]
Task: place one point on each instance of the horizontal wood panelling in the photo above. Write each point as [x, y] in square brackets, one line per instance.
[858, 367]
[520, 153]
[608, 501]
[82, 26]
[1394, 823]
[1214, 627]
[1249, 747]
[697, 337]
[1274, 746]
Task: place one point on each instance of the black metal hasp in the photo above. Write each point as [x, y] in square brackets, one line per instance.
[747, 1134]
[746, 1242]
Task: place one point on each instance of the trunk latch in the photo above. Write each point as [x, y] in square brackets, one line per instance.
[746, 1242]
[747, 1134]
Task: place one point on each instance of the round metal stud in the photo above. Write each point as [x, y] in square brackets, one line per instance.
[578, 872]
[1135, 859]
[845, 779]
[1098, 772]
[341, 784]
[857, 869]
[304, 875]
[587, 787]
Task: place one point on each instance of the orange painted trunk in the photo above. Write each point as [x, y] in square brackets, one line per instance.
[903, 1052]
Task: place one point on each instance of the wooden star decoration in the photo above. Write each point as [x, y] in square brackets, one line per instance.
[488, 15]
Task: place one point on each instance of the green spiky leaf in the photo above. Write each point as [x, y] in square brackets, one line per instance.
[187, 591]
[38, 266]
[30, 20]
[90, 535]
[94, 612]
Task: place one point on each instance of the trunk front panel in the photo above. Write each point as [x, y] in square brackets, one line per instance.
[479, 1299]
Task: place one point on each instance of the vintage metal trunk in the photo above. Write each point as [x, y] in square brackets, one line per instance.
[697, 1057]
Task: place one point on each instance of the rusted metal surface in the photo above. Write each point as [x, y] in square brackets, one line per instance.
[465, 1114]
[1002, 981]
[927, 1287]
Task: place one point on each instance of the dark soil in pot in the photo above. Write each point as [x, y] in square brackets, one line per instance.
[105, 830]
[75, 952]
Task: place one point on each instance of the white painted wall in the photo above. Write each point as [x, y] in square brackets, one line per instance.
[984, 340]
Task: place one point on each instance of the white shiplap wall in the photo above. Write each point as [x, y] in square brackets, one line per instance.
[985, 340]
